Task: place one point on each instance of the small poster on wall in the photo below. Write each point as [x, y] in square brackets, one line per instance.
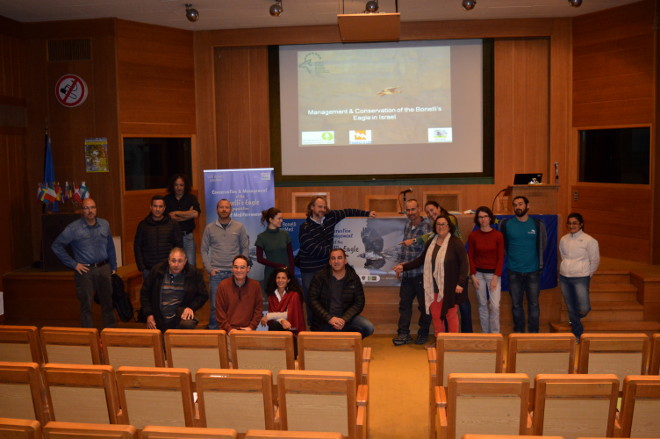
[96, 155]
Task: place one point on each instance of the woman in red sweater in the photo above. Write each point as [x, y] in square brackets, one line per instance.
[486, 255]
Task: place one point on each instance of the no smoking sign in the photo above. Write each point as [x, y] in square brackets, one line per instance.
[71, 90]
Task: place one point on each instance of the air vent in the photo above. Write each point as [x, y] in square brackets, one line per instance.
[69, 50]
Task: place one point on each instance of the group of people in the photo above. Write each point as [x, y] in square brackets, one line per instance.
[434, 267]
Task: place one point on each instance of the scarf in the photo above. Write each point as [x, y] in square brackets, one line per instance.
[437, 272]
[292, 305]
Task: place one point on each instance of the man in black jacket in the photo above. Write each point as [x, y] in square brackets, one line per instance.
[172, 293]
[156, 235]
[336, 298]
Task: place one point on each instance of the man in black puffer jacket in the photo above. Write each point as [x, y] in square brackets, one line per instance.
[172, 293]
[336, 298]
[156, 235]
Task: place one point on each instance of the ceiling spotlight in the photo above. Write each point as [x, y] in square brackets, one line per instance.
[276, 9]
[575, 3]
[371, 6]
[191, 13]
[468, 5]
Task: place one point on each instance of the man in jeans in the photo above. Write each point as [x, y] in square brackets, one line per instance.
[412, 281]
[221, 242]
[525, 240]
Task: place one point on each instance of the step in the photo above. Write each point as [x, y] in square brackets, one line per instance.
[613, 296]
[613, 287]
[646, 326]
[619, 276]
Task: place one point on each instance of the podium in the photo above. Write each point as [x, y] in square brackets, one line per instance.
[542, 197]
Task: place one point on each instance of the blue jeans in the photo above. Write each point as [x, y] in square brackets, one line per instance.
[576, 296]
[358, 324]
[307, 277]
[465, 309]
[523, 285]
[412, 287]
[189, 248]
[214, 281]
[490, 319]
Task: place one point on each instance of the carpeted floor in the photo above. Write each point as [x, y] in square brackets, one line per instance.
[398, 389]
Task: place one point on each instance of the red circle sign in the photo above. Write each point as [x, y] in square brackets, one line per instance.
[71, 90]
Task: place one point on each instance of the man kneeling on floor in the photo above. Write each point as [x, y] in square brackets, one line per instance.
[172, 292]
[336, 298]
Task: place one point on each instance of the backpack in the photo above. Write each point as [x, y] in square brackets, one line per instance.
[121, 300]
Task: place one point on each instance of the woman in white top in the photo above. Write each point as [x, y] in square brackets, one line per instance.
[579, 260]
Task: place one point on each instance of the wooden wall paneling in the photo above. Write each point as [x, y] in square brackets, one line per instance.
[655, 144]
[136, 208]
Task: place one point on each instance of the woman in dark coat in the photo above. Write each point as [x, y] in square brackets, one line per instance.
[445, 275]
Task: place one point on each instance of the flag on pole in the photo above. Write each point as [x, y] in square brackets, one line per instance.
[49, 174]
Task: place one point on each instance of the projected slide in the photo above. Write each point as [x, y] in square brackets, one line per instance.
[374, 96]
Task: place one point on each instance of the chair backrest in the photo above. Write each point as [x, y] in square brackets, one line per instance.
[82, 393]
[279, 434]
[22, 394]
[467, 353]
[640, 406]
[70, 345]
[620, 354]
[75, 430]
[157, 432]
[20, 343]
[573, 405]
[156, 396]
[334, 351]
[262, 350]
[193, 349]
[540, 353]
[654, 363]
[20, 429]
[132, 347]
[480, 403]
[319, 401]
[237, 399]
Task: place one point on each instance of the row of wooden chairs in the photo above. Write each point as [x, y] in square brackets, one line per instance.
[192, 349]
[567, 405]
[26, 429]
[225, 398]
[532, 354]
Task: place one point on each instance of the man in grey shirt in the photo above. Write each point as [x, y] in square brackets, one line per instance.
[221, 242]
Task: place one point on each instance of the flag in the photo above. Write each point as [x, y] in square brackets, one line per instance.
[66, 195]
[84, 193]
[76, 193]
[49, 167]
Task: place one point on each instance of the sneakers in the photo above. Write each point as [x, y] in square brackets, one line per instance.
[421, 339]
[402, 339]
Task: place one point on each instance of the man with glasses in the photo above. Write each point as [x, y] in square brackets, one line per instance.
[239, 302]
[94, 261]
[172, 292]
[525, 240]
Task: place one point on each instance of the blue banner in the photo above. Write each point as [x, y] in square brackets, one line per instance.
[249, 191]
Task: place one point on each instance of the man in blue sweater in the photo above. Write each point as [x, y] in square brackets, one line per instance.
[316, 238]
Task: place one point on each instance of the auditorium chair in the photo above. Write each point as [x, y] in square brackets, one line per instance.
[262, 350]
[483, 403]
[158, 432]
[194, 349]
[572, 405]
[460, 353]
[82, 393]
[70, 345]
[132, 347]
[322, 401]
[640, 407]
[20, 343]
[279, 434]
[532, 354]
[620, 354]
[156, 396]
[334, 351]
[235, 398]
[507, 436]
[654, 363]
[22, 394]
[76, 430]
[11, 428]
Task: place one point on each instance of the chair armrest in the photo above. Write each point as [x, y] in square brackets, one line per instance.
[361, 422]
[617, 425]
[440, 396]
[362, 397]
[442, 422]
[278, 419]
[364, 379]
[528, 425]
[432, 355]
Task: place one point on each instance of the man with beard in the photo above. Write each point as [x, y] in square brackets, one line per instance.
[525, 240]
